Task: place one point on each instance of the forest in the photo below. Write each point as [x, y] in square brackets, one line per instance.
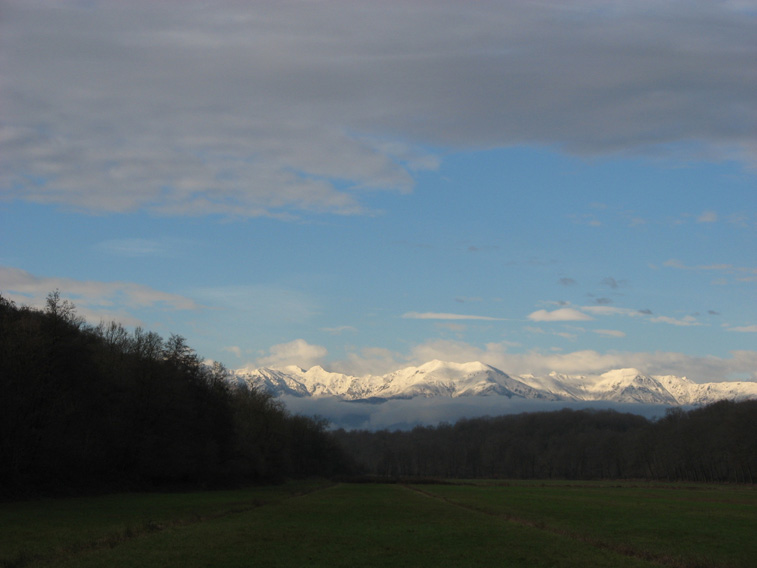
[99, 408]
[715, 443]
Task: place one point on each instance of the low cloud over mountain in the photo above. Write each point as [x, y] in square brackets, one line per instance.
[438, 390]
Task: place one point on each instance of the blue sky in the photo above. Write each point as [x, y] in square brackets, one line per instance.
[543, 187]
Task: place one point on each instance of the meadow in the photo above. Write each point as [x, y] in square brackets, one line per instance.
[320, 523]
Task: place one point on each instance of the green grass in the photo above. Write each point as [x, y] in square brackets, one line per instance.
[352, 525]
[34, 532]
[681, 524]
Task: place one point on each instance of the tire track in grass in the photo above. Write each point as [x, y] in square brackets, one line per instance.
[119, 537]
[625, 550]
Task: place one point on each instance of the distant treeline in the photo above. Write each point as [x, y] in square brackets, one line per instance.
[98, 407]
[716, 443]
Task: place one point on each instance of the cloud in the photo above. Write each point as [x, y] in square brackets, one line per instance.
[725, 268]
[464, 299]
[563, 314]
[369, 361]
[445, 316]
[609, 332]
[610, 282]
[604, 310]
[455, 327]
[406, 414]
[237, 351]
[707, 217]
[744, 329]
[298, 352]
[689, 320]
[583, 362]
[94, 300]
[684, 322]
[339, 329]
[139, 248]
[287, 108]
[567, 282]
[260, 302]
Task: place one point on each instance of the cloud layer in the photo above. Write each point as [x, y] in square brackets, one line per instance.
[280, 108]
[740, 364]
[94, 300]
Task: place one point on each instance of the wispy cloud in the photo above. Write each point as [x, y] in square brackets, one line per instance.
[339, 329]
[743, 273]
[707, 217]
[139, 247]
[446, 316]
[609, 332]
[744, 329]
[234, 349]
[612, 283]
[689, 320]
[562, 314]
[604, 310]
[91, 291]
[95, 300]
[684, 322]
[260, 302]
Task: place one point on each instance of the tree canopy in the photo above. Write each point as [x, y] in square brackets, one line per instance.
[85, 407]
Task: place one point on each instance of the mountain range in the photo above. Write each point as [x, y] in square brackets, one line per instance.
[453, 380]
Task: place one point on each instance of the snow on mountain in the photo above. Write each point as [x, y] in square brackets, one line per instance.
[629, 385]
[452, 380]
[707, 393]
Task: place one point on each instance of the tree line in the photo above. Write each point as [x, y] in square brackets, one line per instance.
[87, 407]
[715, 443]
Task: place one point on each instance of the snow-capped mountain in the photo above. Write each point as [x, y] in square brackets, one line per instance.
[452, 380]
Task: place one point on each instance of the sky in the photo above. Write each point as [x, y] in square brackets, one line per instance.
[541, 186]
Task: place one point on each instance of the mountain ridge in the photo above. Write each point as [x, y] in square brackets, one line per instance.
[455, 380]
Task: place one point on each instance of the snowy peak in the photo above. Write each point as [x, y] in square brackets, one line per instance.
[445, 379]
[630, 385]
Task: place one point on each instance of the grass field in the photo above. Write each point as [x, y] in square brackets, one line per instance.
[321, 524]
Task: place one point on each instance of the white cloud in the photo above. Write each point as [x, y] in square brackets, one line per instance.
[612, 311]
[744, 329]
[369, 361]
[726, 268]
[249, 109]
[94, 300]
[538, 362]
[445, 316]
[562, 314]
[406, 414]
[609, 332]
[684, 322]
[339, 329]
[708, 217]
[298, 352]
[236, 350]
